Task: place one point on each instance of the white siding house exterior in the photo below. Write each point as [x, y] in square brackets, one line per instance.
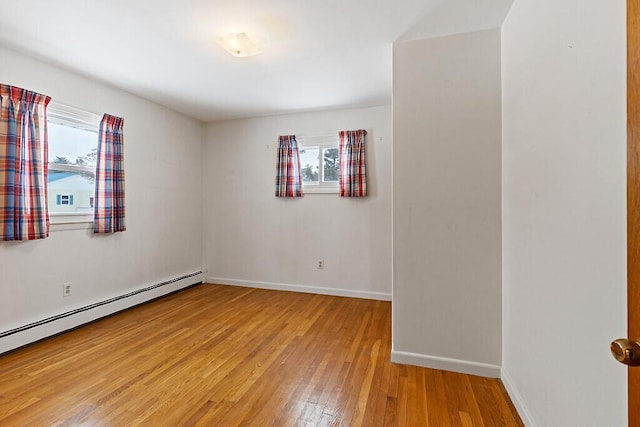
[70, 193]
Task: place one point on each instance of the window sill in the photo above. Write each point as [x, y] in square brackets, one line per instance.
[54, 227]
[320, 190]
[63, 221]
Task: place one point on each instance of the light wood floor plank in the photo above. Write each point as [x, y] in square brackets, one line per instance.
[215, 355]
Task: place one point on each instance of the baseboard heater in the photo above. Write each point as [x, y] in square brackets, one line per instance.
[97, 304]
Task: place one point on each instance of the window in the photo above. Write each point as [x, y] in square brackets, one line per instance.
[73, 145]
[319, 164]
[64, 199]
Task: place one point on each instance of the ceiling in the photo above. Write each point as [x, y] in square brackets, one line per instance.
[318, 54]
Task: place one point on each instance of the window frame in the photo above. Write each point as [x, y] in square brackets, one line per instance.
[323, 143]
[66, 115]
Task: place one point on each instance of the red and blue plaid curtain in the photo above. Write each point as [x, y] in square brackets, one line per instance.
[353, 165]
[23, 164]
[288, 176]
[109, 201]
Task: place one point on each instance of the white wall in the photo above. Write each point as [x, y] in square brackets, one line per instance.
[446, 203]
[448, 17]
[164, 209]
[564, 211]
[253, 238]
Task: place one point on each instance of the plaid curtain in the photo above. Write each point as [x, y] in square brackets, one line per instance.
[109, 201]
[353, 165]
[288, 176]
[23, 164]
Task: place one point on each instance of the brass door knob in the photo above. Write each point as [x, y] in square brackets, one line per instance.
[626, 351]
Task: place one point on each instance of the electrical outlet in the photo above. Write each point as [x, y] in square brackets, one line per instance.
[320, 264]
[66, 289]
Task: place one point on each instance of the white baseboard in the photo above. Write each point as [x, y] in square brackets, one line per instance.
[27, 334]
[301, 288]
[517, 400]
[446, 364]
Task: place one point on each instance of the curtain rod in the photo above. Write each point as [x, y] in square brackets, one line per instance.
[72, 107]
[326, 135]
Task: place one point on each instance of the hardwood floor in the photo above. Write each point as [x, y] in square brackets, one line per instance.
[216, 355]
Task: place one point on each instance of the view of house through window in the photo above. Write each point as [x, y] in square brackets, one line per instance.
[73, 144]
[319, 164]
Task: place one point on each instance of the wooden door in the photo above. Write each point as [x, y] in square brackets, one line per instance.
[633, 198]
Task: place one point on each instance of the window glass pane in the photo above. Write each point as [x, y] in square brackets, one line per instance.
[310, 164]
[331, 164]
[72, 146]
[70, 192]
[71, 189]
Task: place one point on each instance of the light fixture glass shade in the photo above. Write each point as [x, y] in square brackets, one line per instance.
[239, 45]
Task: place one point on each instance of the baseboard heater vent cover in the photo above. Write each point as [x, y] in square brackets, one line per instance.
[94, 305]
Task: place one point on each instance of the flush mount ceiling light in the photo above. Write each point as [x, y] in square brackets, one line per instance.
[239, 45]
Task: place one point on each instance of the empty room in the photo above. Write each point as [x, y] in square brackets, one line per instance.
[320, 213]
